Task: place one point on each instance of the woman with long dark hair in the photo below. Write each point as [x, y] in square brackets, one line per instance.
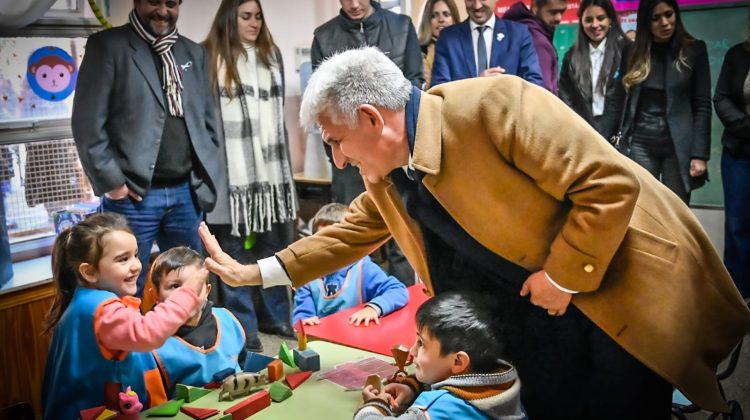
[436, 15]
[732, 101]
[666, 127]
[256, 205]
[590, 67]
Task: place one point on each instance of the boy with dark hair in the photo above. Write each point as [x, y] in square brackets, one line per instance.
[361, 282]
[458, 370]
[209, 342]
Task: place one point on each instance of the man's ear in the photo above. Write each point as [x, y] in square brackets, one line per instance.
[461, 361]
[88, 272]
[372, 116]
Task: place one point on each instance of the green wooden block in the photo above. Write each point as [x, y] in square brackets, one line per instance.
[168, 409]
[285, 355]
[190, 393]
[280, 392]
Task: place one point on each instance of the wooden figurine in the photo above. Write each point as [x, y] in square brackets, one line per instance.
[240, 384]
[301, 336]
[250, 406]
[403, 359]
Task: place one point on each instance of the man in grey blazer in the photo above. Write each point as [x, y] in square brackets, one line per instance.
[145, 126]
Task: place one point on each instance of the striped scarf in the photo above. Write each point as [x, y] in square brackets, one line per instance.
[170, 74]
[261, 188]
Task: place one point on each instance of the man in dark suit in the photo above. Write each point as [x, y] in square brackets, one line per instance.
[484, 45]
[145, 127]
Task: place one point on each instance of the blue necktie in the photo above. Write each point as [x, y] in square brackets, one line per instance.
[481, 51]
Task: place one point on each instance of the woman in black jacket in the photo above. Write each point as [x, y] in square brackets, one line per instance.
[666, 127]
[590, 67]
[732, 101]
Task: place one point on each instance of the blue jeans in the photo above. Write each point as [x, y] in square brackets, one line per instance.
[166, 215]
[735, 175]
[255, 307]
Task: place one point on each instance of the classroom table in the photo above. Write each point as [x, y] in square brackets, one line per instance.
[396, 328]
[313, 399]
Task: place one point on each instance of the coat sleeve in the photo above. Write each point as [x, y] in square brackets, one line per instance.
[413, 65]
[304, 306]
[528, 68]
[735, 120]
[616, 103]
[337, 246]
[573, 165]
[94, 90]
[316, 54]
[385, 291]
[701, 104]
[441, 72]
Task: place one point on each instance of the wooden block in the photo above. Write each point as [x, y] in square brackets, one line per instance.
[190, 393]
[250, 406]
[375, 381]
[255, 362]
[91, 413]
[112, 392]
[307, 359]
[301, 336]
[168, 409]
[286, 356]
[279, 392]
[107, 414]
[275, 370]
[222, 374]
[212, 385]
[199, 413]
[295, 379]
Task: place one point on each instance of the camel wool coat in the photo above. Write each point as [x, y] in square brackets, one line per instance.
[534, 183]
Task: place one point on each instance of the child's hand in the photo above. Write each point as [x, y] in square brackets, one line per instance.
[402, 395]
[365, 315]
[370, 393]
[313, 320]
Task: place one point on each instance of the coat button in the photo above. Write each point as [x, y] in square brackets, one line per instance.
[588, 268]
[152, 166]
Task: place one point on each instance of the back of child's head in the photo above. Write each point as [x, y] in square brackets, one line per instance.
[173, 259]
[329, 214]
[82, 243]
[466, 322]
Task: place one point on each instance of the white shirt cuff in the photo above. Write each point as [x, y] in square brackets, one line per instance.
[572, 292]
[272, 273]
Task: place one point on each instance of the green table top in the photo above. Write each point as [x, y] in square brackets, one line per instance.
[313, 399]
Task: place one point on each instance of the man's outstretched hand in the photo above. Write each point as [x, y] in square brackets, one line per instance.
[226, 267]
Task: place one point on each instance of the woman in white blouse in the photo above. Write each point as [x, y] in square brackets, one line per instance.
[590, 67]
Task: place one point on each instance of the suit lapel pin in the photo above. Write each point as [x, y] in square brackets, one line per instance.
[500, 37]
[186, 65]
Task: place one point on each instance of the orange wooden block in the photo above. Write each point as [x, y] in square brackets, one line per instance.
[250, 406]
[275, 370]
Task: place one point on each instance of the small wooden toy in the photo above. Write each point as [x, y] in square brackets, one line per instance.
[112, 392]
[91, 413]
[301, 336]
[375, 381]
[222, 374]
[295, 379]
[130, 406]
[199, 413]
[250, 406]
[403, 359]
[240, 384]
[212, 385]
[307, 359]
[279, 392]
[285, 355]
[255, 362]
[275, 370]
[190, 393]
[107, 414]
[168, 409]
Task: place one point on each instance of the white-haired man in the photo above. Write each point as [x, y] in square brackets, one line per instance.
[482, 195]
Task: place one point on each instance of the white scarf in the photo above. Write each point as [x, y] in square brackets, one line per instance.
[261, 188]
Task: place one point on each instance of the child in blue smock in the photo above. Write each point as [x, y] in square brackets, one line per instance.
[361, 282]
[209, 342]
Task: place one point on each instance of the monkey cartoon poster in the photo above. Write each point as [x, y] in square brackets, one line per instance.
[51, 73]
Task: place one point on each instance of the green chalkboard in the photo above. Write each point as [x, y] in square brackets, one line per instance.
[720, 28]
